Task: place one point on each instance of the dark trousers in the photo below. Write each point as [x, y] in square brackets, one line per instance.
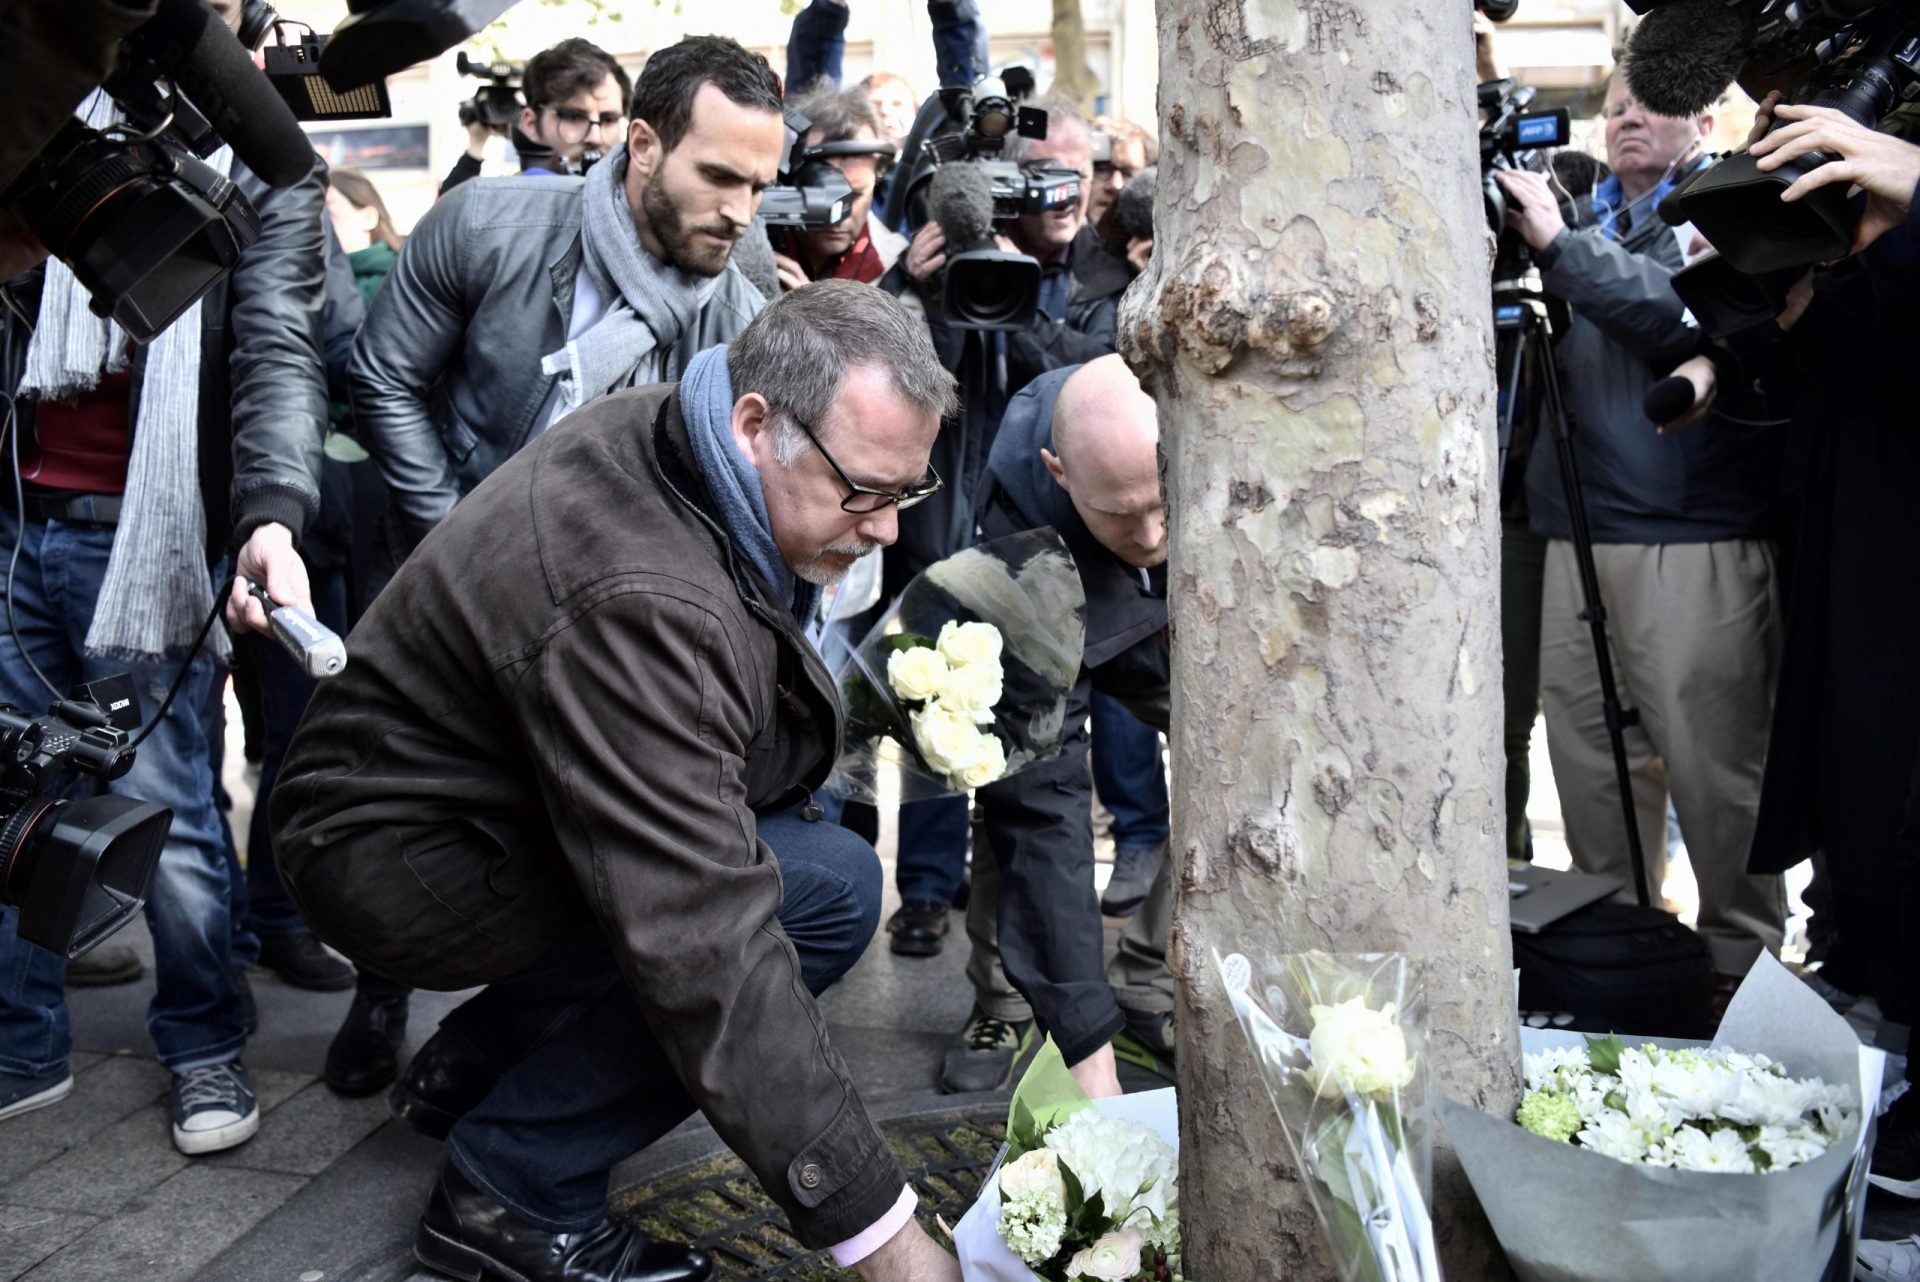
[1523, 565]
[585, 1084]
[1130, 775]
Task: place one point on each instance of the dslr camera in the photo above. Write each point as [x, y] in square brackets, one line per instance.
[77, 870]
[954, 175]
[495, 104]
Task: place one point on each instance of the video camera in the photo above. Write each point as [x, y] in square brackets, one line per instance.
[495, 104]
[77, 870]
[1511, 137]
[1860, 57]
[813, 195]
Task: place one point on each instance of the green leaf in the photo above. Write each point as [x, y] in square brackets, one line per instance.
[1076, 1191]
[1616, 1100]
[1047, 1096]
[1604, 1053]
[342, 448]
[910, 641]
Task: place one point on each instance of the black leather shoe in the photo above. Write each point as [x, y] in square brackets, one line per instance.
[365, 1054]
[444, 1083]
[918, 929]
[466, 1234]
[304, 962]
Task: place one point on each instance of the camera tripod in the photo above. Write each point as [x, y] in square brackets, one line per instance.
[1524, 345]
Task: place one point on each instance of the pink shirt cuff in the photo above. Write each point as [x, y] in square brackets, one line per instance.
[876, 1235]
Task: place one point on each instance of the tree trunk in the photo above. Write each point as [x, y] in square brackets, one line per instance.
[1316, 327]
[1072, 77]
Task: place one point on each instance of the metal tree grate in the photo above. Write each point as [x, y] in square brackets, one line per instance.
[717, 1205]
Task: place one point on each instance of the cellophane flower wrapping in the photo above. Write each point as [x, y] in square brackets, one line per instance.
[1083, 1188]
[1340, 1042]
[928, 692]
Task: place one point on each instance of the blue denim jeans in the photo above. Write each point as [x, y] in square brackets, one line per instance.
[194, 1017]
[816, 45]
[1129, 775]
[932, 852]
[585, 1083]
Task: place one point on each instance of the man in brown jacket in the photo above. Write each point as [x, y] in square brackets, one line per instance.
[571, 759]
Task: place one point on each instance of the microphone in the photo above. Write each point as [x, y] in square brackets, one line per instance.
[320, 651]
[206, 60]
[961, 201]
[1684, 54]
[1669, 399]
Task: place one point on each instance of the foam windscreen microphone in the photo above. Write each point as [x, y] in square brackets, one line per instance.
[961, 201]
[1684, 54]
[1668, 399]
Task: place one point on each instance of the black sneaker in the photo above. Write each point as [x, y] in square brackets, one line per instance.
[919, 928]
[983, 1056]
[1133, 873]
[1147, 1042]
[24, 1092]
[213, 1108]
[1896, 1149]
[304, 962]
[104, 967]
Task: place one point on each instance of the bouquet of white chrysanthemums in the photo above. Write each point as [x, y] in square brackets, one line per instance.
[1086, 1190]
[1704, 1108]
[965, 680]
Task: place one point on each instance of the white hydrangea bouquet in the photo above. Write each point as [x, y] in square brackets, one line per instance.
[1741, 1161]
[964, 681]
[1340, 1042]
[1084, 1191]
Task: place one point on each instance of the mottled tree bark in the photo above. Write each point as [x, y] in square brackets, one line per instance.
[1315, 325]
[1073, 79]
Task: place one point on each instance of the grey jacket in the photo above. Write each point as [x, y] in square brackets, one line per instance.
[1716, 481]
[446, 374]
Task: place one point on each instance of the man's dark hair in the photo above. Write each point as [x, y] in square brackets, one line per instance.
[570, 68]
[671, 78]
[838, 115]
[1132, 213]
[1578, 171]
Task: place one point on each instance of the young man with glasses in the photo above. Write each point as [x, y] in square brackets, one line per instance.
[576, 112]
[572, 761]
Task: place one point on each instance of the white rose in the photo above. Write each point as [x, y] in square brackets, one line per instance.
[917, 674]
[1035, 1174]
[988, 764]
[1356, 1048]
[948, 740]
[1114, 1258]
[964, 643]
[972, 689]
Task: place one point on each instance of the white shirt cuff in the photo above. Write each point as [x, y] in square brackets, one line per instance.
[876, 1235]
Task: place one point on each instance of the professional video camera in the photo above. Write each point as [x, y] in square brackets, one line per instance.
[77, 870]
[495, 104]
[1511, 137]
[813, 195]
[1860, 57]
[952, 175]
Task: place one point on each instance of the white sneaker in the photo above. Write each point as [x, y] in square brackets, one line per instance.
[1888, 1261]
[20, 1094]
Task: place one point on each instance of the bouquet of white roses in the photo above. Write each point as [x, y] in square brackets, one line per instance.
[1742, 1161]
[965, 680]
[1340, 1043]
[1085, 1190]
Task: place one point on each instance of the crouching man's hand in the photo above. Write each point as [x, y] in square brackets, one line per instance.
[910, 1256]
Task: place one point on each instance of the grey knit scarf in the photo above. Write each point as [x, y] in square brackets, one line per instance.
[157, 591]
[651, 304]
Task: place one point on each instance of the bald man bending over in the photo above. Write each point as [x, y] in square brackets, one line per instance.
[1077, 451]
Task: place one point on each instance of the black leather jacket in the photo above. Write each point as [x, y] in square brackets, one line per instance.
[263, 391]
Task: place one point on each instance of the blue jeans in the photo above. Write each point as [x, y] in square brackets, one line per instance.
[816, 45]
[194, 1017]
[585, 1084]
[931, 859]
[1129, 775]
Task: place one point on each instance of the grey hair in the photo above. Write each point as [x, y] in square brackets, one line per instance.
[1060, 111]
[796, 353]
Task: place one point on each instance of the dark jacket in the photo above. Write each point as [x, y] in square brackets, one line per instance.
[447, 379]
[1039, 823]
[992, 368]
[263, 391]
[1717, 481]
[614, 698]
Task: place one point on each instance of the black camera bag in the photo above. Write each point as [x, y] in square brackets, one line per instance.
[1618, 968]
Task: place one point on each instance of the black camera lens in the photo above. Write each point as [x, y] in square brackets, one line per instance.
[79, 870]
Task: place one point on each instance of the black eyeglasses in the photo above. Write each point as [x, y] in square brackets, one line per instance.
[865, 498]
[574, 124]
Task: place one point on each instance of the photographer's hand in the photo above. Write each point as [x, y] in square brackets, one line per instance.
[1139, 251]
[792, 275]
[477, 135]
[268, 558]
[927, 254]
[1705, 377]
[1763, 117]
[1883, 166]
[1532, 208]
[1486, 58]
[910, 1256]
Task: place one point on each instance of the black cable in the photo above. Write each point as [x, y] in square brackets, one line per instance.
[219, 599]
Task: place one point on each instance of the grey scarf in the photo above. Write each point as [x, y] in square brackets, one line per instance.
[157, 591]
[651, 304]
